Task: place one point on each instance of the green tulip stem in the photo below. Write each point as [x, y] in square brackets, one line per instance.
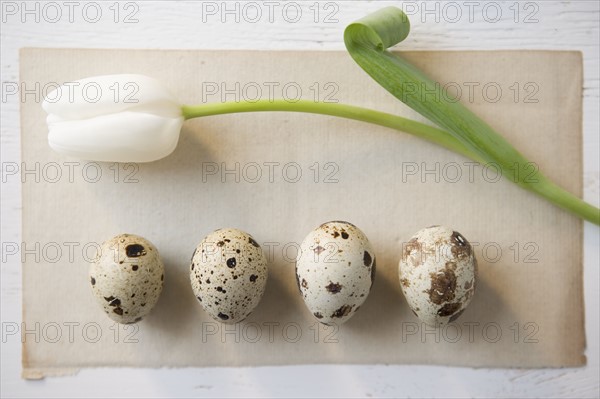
[418, 129]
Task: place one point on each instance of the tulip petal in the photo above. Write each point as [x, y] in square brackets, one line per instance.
[121, 137]
[109, 94]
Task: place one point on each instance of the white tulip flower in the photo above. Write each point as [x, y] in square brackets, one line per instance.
[113, 118]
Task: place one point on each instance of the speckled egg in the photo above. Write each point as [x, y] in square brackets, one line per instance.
[127, 277]
[335, 270]
[228, 274]
[438, 273]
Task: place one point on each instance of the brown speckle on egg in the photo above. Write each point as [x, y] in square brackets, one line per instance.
[448, 309]
[443, 285]
[135, 250]
[460, 246]
[373, 270]
[334, 288]
[115, 302]
[367, 259]
[342, 311]
[223, 316]
[412, 246]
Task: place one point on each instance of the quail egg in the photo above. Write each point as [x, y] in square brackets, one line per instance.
[127, 277]
[438, 273]
[228, 274]
[335, 270]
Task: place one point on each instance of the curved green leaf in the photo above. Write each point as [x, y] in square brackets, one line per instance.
[367, 41]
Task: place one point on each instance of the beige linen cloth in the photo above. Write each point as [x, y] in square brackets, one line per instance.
[279, 175]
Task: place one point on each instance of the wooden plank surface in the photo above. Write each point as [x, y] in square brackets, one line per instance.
[560, 25]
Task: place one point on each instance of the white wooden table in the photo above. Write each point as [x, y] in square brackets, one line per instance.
[482, 25]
